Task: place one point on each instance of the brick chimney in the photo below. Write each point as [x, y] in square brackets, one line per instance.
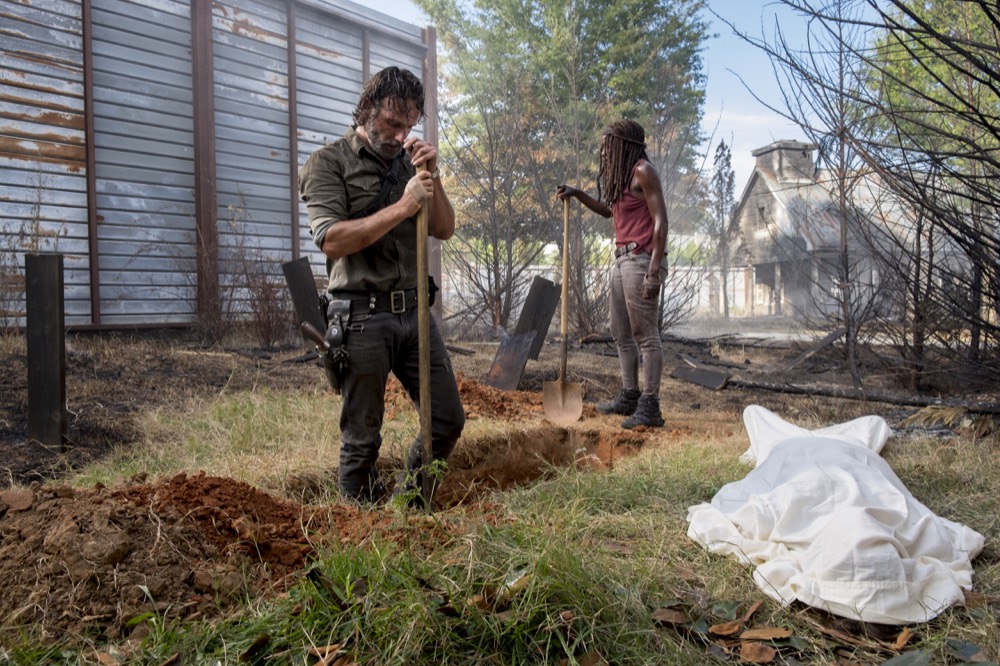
[788, 160]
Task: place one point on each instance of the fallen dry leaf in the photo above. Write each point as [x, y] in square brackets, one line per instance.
[479, 601]
[670, 617]
[765, 633]
[978, 600]
[726, 629]
[757, 653]
[753, 609]
[904, 637]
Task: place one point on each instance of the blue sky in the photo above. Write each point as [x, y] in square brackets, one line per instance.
[731, 111]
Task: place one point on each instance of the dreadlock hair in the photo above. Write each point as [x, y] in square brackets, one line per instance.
[399, 86]
[624, 144]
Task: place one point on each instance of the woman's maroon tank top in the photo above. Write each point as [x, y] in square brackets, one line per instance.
[632, 221]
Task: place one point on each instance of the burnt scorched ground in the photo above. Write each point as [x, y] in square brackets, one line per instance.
[85, 562]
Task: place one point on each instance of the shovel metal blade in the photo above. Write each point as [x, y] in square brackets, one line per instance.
[563, 402]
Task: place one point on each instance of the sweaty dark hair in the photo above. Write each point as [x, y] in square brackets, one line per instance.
[624, 145]
[398, 86]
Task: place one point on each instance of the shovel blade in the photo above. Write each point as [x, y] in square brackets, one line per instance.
[563, 402]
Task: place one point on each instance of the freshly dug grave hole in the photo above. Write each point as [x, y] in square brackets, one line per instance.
[518, 458]
[87, 562]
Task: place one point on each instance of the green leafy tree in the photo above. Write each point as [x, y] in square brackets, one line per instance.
[934, 79]
[722, 196]
[530, 87]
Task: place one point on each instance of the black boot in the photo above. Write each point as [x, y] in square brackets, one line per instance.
[647, 413]
[625, 403]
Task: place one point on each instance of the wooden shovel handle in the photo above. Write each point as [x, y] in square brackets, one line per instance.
[564, 312]
[424, 348]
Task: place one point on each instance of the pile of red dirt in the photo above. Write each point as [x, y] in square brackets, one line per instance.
[90, 562]
[87, 562]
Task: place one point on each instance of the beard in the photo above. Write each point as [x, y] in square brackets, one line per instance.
[387, 150]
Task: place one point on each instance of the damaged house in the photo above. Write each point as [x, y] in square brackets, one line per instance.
[787, 225]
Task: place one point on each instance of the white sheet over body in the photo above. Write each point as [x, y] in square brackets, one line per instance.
[826, 521]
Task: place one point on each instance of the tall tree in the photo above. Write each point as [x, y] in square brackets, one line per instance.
[819, 85]
[928, 134]
[553, 74]
[489, 157]
[934, 77]
[722, 198]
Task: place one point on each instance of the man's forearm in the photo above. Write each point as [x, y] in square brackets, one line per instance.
[349, 236]
[440, 214]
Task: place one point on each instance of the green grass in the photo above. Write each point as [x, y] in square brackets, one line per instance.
[592, 555]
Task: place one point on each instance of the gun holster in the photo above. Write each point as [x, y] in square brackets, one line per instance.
[336, 314]
[432, 290]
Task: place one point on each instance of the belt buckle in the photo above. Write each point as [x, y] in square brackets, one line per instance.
[397, 301]
[626, 249]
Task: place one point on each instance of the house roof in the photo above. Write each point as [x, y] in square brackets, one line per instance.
[812, 213]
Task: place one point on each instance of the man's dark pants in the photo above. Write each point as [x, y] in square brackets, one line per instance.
[385, 343]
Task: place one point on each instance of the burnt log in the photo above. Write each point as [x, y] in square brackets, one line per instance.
[846, 392]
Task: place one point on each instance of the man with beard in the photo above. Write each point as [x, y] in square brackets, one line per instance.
[362, 193]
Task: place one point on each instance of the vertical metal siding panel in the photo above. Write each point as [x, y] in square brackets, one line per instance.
[293, 130]
[332, 55]
[43, 186]
[144, 168]
[145, 206]
[387, 51]
[329, 68]
[251, 115]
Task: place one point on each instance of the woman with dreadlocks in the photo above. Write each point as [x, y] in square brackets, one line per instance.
[629, 192]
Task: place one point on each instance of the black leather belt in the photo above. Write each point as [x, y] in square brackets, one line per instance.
[396, 302]
[625, 249]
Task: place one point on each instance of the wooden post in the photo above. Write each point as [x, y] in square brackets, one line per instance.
[46, 341]
[779, 289]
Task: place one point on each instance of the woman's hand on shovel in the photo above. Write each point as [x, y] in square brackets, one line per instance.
[564, 192]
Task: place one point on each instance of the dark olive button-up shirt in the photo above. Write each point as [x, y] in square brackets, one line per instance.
[337, 182]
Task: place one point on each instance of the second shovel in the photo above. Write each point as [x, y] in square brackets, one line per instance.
[562, 400]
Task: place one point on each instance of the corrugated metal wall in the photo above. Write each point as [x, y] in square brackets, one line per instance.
[43, 174]
[176, 182]
[144, 160]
